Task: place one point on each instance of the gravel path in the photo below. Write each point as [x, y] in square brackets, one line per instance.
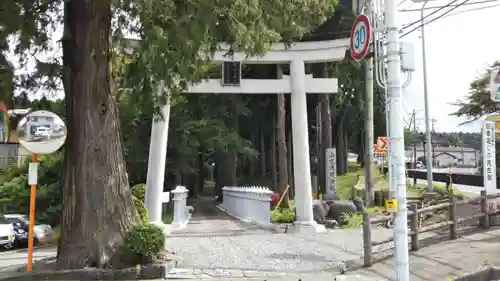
[213, 240]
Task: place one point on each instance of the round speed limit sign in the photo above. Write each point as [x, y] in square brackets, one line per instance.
[361, 33]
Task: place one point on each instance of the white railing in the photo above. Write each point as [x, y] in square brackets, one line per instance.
[250, 204]
[181, 210]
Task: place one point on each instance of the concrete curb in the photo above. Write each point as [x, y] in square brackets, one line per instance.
[273, 227]
[269, 226]
[146, 272]
[484, 273]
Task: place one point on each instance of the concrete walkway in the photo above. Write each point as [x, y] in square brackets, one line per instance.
[215, 245]
[438, 262]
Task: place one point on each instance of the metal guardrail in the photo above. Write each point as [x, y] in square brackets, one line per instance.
[455, 178]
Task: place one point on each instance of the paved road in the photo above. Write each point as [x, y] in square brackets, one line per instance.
[15, 258]
[466, 189]
[43, 147]
[453, 170]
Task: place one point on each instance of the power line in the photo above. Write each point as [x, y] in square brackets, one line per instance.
[471, 10]
[437, 7]
[430, 14]
[434, 19]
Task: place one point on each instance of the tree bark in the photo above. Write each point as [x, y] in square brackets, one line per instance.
[326, 131]
[227, 162]
[282, 155]
[262, 155]
[289, 164]
[272, 157]
[326, 135]
[97, 202]
[341, 150]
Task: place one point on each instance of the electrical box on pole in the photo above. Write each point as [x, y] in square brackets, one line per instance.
[231, 73]
[407, 56]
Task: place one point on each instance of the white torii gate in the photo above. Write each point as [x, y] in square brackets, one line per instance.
[298, 84]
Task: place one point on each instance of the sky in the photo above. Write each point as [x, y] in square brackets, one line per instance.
[458, 49]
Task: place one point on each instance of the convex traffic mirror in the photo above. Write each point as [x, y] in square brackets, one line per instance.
[41, 132]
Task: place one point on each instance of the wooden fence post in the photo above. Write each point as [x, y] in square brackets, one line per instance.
[484, 221]
[367, 240]
[452, 213]
[414, 227]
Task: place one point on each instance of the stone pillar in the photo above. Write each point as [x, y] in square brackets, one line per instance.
[300, 142]
[156, 165]
[180, 194]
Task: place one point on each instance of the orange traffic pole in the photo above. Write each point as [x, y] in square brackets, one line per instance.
[31, 237]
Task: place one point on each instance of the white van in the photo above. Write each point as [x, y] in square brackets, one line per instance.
[43, 132]
[6, 233]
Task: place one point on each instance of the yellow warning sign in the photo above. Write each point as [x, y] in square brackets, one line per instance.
[391, 205]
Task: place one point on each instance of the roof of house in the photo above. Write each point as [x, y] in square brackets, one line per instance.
[445, 153]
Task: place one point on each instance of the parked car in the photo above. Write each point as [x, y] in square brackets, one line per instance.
[43, 132]
[43, 232]
[7, 235]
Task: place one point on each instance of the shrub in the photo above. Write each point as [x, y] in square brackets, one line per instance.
[141, 209]
[143, 243]
[139, 191]
[14, 189]
[283, 215]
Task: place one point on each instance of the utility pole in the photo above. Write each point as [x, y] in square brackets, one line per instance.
[392, 180]
[428, 156]
[368, 65]
[397, 139]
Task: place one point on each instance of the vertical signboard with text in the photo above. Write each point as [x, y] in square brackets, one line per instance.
[331, 173]
[489, 158]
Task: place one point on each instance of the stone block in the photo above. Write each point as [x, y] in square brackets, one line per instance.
[337, 209]
[320, 210]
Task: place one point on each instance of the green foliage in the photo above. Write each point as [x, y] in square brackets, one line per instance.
[353, 220]
[15, 192]
[167, 38]
[346, 182]
[349, 106]
[478, 103]
[143, 243]
[283, 215]
[141, 209]
[139, 191]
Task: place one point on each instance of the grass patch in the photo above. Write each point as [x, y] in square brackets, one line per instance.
[356, 220]
[346, 182]
[439, 188]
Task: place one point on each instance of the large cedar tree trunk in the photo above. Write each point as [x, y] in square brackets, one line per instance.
[272, 157]
[227, 160]
[341, 151]
[326, 130]
[97, 202]
[262, 154]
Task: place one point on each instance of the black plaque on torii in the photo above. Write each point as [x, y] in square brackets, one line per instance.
[231, 73]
